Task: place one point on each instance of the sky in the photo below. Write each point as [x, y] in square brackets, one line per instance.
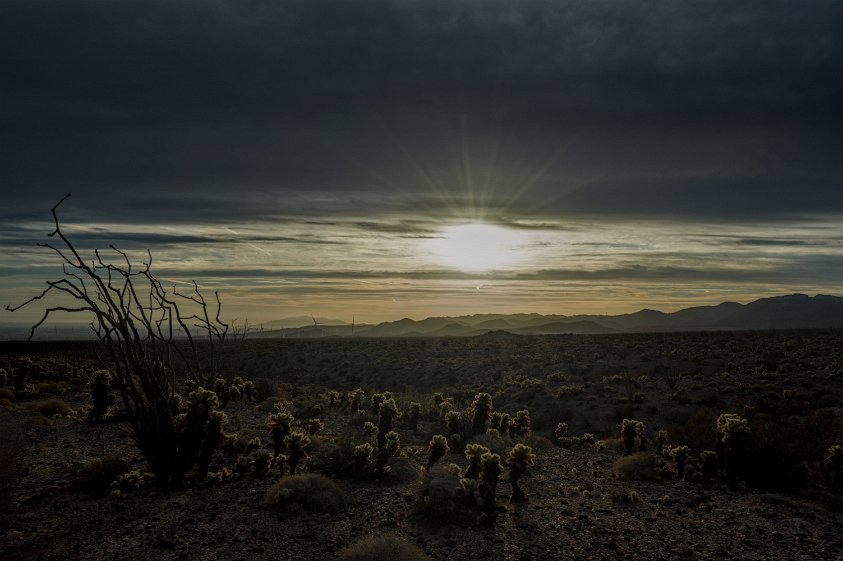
[380, 159]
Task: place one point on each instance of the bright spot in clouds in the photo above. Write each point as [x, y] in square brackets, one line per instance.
[478, 247]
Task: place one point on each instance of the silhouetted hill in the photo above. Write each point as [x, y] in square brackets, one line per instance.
[795, 311]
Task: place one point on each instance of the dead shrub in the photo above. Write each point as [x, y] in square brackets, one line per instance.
[641, 465]
[97, 475]
[310, 491]
[699, 432]
[50, 407]
[40, 422]
[51, 388]
[383, 548]
[7, 394]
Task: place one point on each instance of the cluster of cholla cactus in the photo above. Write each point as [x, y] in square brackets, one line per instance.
[333, 399]
[519, 460]
[474, 455]
[481, 413]
[388, 440]
[561, 434]
[296, 444]
[390, 448]
[436, 449]
[99, 385]
[453, 422]
[630, 432]
[377, 399]
[480, 480]
[362, 457]
[236, 389]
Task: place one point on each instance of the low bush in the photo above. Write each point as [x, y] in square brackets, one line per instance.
[383, 548]
[640, 465]
[311, 491]
[50, 407]
[97, 475]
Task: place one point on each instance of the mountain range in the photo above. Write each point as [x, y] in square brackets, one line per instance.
[795, 311]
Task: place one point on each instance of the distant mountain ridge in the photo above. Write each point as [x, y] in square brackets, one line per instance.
[794, 311]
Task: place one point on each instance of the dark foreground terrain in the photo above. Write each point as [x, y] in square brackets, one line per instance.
[588, 496]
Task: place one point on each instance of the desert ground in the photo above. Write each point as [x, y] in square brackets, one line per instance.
[75, 487]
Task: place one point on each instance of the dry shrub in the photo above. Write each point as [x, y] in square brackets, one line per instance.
[311, 491]
[641, 465]
[383, 548]
[265, 389]
[699, 432]
[40, 422]
[50, 407]
[52, 388]
[7, 393]
[9, 453]
[96, 475]
[5, 403]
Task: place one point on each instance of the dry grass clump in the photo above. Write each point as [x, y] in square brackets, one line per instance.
[7, 394]
[311, 491]
[383, 548]
[53, 388]
[641, 465]
[97, 475]
[50, 407]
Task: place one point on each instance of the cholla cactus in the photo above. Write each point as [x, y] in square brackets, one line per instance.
[519, 460]
[662, 438]
[470, 488]
[387, 413]
[355, 397]
[297, 444]
[192, 427]
[362, 457]
[315, 425]
[453, 422]
[333, 398]
[481, 413]
[377, 399]
[495, 421]
[369, 428]
[392, 442]
[437, 448]
[474, 454]
[708, 464]
[214, 437]
[260, 462]
[680, 455]
[561, 433]
[278, 426]
[490, 472]
[100, 387]
[506, 422]
[493, 433]
[202, 401]
[438, 398]
[523, 425]
[218, 477]
[252, 444]
[732, 446]
[413, 415]
[630, 429]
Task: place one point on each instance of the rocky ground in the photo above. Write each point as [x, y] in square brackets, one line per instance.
[577, 506]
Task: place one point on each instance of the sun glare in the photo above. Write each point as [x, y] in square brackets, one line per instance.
[478, 247]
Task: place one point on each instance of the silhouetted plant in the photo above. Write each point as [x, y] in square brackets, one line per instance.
[522, 425]
[413, 415]
[680, 455]
[481, 412]
[315, 425]
[297, 444]
[474, 454]
[214, 437]
[630, 429]
[733, 445]
[453, 422]
[519, 460]
[835, 463]
[278, 426]
[362, 457]
[333, 399]
[436, 449]
[99, 385]
[708, 464]
[355, 398]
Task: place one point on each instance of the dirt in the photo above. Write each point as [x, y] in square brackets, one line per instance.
[577, 506]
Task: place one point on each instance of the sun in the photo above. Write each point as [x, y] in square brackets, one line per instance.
[477, 247]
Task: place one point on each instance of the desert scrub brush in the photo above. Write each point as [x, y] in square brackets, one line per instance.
[519, 460]
[278, 426]
[312, 491]
[481, 413]
[297, 444]
[474, 454]
[436, 449]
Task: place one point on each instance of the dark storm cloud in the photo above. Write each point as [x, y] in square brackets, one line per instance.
[704, 107]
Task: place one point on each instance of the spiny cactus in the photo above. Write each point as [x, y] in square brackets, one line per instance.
[387, 413]
[453, 422]
[495, 421]
[333, 399]
[315, 425]
[662, 439]
[474, 454]
[297, 444]
[362, 457]
[481, 413]
[436, 449]
[680, 455]
[377, 399]
[414, 415]
[392, 442]
[355, 398]
[708, 464]
[100, 387]
[835, 462]
[519, 460]
[214, 437]
[369, 428]
[252, 444]
[506, 421]
[522, 425]
[260, 462]
[561, 433]
[192, 428]
[630, 429]
[733, 445]
[278, 426]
